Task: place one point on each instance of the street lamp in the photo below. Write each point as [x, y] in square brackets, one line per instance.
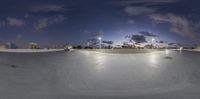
[152, 41]
[99, 38]
[180, 49]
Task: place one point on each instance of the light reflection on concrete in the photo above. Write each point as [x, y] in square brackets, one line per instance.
[166, 52]
[100, 59]
[92, 74]
[153, 59]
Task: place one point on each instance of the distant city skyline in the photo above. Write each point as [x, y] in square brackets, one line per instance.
[74, 21]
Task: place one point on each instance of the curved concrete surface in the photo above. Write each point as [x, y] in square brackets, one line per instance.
[93, 75]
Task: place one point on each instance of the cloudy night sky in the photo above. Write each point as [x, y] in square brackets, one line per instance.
[74, 21]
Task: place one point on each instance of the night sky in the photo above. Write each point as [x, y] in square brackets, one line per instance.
[75, 21]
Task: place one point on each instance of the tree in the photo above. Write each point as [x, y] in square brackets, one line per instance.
[136, 38]
[108, 42]
[92, 42]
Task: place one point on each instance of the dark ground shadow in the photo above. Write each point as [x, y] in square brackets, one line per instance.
[12, 65]
[168, 57]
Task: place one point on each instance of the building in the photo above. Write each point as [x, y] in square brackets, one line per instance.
[198, 47]
[68, 48]
[117, 46]
[33, 45]
[10, 45]
[98, 43]
[2, 46]
[93, 43]
[128, 45]
[140, 46]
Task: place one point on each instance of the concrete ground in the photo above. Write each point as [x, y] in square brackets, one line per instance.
[124, 51]
[29, 50]
[94, 75]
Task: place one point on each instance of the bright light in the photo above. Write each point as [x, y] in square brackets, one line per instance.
[100, 60]
[100, 42]
[153, 59]
[153, 39]
[99, 38]
[152, 42]
[181, 48]
[166, 51]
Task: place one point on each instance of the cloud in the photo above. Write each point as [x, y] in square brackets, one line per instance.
[27, 15]
[131, 21]
[85, 32]
[138, 10]
[12, 22]
[144, 2]
[137, 38]
[179, 25]
[45, 22]
[15, 22]
[142, 7]
[48, 8]
[145, 33]
[91, 34]
[19, 36]
[2, 23]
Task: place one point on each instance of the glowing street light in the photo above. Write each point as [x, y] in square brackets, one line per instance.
[99, 38]
[152, 41]
[181, 48]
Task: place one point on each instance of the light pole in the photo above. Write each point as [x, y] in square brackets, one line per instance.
[100, 42]
[152, 41]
